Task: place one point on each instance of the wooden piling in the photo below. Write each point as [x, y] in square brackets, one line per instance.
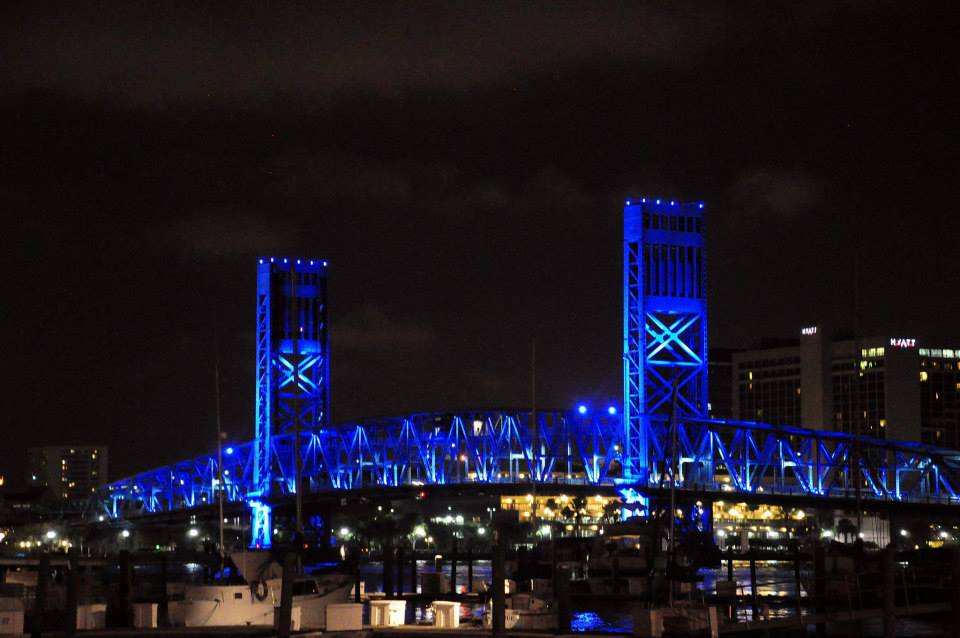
[499, 601]
[730, 564]
[413, 572]
[453, 566]
[615, 571]
[753, 585]
[163, 619]
[820, 587]
[887, 573]
[470, 569]
[124, 614]
[43, 576]
[796, 579]
[399, 582]
[356, 575]
[955, 591]
[562, 593]
[73, 586]
[388, 569]
[286, 594]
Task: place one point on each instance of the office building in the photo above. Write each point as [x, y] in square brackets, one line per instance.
[720, 380]
[72, 472]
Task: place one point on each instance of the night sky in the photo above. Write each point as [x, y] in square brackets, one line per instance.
[462, 166]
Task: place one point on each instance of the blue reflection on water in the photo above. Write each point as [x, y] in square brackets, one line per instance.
[590, 622]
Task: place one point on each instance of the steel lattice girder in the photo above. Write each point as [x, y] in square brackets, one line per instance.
[478, 446]
[496, 446]
[716, 455]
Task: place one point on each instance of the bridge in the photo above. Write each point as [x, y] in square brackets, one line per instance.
[658, 440]
[497, 447]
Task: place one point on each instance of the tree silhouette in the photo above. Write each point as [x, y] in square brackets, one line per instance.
[846, 527]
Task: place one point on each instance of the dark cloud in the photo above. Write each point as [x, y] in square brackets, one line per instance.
[225, 233]
[368, 328]
[778, 192]
[330, 175]
[154, 55]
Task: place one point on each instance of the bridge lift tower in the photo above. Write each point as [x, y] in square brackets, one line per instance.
[292, 376]
[664, 328]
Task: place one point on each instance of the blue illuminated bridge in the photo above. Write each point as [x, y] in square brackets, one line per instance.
[496, 447]
[657, 440]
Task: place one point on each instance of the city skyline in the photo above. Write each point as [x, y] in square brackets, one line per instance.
[465, 207]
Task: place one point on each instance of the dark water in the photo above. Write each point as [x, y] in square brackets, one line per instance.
[614, 617]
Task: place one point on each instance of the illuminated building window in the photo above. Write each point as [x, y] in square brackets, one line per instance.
[923, 375]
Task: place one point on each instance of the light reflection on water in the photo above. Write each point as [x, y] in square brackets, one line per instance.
[771, 581]
[609, 623]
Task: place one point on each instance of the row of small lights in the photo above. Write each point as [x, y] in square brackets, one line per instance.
[299, 261]
[672, 203]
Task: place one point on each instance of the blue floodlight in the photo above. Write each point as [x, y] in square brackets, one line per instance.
[229, 451]
[611, 410]
[582, 409]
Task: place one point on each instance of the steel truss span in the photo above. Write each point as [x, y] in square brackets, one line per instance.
[496, 446]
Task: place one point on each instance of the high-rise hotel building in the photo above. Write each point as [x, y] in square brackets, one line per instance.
[886, 387]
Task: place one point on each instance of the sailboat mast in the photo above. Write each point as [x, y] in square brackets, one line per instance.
[220, 485]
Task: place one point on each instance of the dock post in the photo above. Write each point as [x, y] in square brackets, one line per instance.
[43, 575]
[820, 587]
[498, 576]
[615, 571]
[356, 575]
[562, 592]
[453, 566]
[887, 573]
[470, 569]
[413, 571]
[399, 571]
[955, 591]
[796, 579]
[73, 585]
[388, 569]
[753, 585]
[730, 564]
[162, 608]
[286, 594]
[126, 587]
